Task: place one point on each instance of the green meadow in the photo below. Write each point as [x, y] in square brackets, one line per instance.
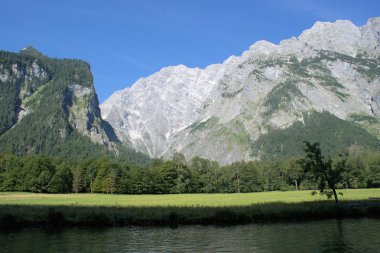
[177, 200]
[50, 210]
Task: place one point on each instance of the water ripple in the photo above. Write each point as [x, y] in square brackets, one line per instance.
[350, 235]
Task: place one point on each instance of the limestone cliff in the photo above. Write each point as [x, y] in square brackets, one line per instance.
[221, 111]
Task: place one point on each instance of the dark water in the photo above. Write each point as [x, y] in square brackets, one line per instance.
[350, 235]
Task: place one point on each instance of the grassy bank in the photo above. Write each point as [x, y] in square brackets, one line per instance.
[27, 209]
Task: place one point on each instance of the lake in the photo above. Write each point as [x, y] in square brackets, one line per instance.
[349, 235]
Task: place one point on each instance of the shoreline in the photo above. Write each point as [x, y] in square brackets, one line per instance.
[50, 216]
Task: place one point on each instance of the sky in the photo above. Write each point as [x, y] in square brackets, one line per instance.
[124, 40]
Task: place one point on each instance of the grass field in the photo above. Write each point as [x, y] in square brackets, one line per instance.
[49, 210]
[176, 200]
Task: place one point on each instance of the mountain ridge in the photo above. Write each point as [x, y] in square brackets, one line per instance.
[267, 87]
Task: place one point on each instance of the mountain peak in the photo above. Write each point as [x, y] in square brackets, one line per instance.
[29, 50]
[374, 21]
[322, 24]
[341, 36]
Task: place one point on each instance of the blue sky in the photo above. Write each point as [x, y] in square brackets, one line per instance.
[124, 40]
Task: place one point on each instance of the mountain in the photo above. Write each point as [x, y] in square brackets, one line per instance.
[230, 111]
[49, 106]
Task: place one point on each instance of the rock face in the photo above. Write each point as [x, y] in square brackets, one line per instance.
[48, 102]
[220, 111]
[160, 106]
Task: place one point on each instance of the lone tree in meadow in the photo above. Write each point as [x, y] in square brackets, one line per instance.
[326, 172]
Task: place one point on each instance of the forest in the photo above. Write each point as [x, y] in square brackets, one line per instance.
[43, 174]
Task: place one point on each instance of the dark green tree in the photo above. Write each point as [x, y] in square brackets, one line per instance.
[36, 173]
[293, 171]
[372, 168]
[326, 172]
[62, 180]
[78, 179]
[182, 172]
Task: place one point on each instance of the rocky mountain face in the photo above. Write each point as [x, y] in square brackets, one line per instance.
[49, 106]
[223, 111]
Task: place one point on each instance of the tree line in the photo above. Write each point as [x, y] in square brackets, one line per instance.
[39, 173]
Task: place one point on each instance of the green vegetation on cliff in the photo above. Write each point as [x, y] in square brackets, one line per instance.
[49, 106]
[336, 136]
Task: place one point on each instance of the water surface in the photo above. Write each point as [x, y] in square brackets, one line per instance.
[349, 235]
